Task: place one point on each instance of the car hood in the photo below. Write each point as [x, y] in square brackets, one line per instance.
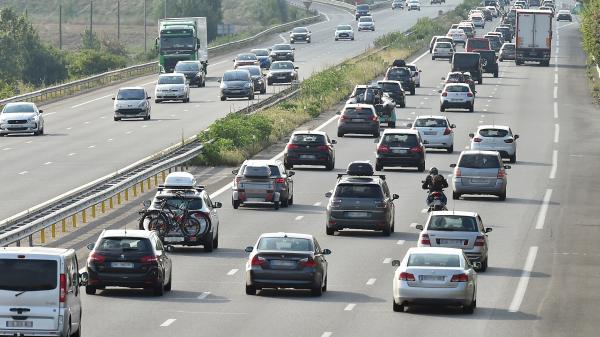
[134, 103]
[365, 23]
[17, 115]
[170, 86]
[281, 51]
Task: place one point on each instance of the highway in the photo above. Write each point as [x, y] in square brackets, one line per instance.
[543, 274]
[83, 143]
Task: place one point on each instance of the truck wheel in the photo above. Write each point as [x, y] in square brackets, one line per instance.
[412, 91]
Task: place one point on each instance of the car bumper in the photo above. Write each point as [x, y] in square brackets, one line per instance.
[505, 151]
[298, 279]
[406, 161]
[443, 54]
[282, 57]
[461, 295]
[358, 128]
[459, 104]
[498, 186]
[507, 56]
[131, 113]
[300, 38]
[128, 280]
[280, 79]
[344, 36]
[303, 159]
[170, 96]
[366, 28]
[377, 222]
[6, 128]
[244, 92]
[259, 196]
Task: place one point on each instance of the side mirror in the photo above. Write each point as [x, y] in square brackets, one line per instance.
[516, 137]
[507, 167]
[148, 97]
[395, 196]
[452, 126]
[338, 113]
[296, 68]
[249, 249]
[170, 248]
[333, 141]
[90, 245]
[217, 204]
[443, 78]
[487, 230]
[147, 203]
[439, 91]
[113, 98]
[291, 173]
[326, 251]
[328, 194]
[83, 279]
[452, 165]
[409, 125]
[40, 111]
[235, 171]
[395, 263]
[419, 227]
[471, 135]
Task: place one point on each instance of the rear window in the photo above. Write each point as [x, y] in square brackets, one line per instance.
[400, 140]
[365, 19]
[398, 72]
[260, 52]
[257, 171]
[390, 87]
[240, 75]
[370, 191]
[478, 44]
[124, 244]
[465, 60]
[28, 275]
[457, 88]
[431, 123]
[466, 28]
[187, 66]
[362, 7]
[357, 112]
[285, 244]
[308, 139]
[175, 203]
[493, 132]
[254, 71]
[479, 161]
[452, 223]
[443, 45]
[433, 260]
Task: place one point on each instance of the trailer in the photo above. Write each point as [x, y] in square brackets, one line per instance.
[533, 36]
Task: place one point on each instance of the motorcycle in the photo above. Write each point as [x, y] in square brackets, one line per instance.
[436, 203]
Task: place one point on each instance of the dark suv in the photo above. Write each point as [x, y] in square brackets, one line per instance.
[360, 202]
[262, 181]
[309, 148]
[403, 75]
[468, 62]
[362, 10]
[489, 62]
[400, 148]
[395, 91]
[358, 118]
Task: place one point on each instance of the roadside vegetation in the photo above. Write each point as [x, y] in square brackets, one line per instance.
[590, 29]
[238, 136]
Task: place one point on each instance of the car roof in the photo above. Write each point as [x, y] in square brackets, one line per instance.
[134, 233]
[129, 88]
[34, 250]
[261, 162]
[492, 126]
[400, 131]
[468, 152]
[359, 105]
[431, 116]
[461, 213]
[20, 103]
[309, 131]
[434, 250]
[171, 74]
[285, 234]
[457, 84]
[349, 179]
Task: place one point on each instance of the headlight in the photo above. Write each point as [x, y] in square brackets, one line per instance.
[248, 85]
[223, 85]
[142, 104]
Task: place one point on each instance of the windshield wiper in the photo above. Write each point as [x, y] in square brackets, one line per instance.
[21, 293]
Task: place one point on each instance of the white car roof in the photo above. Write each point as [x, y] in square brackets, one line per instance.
[434, 250]
[359, 105]
[400, 131]
[285, 234]
[36, 251]
[180, 179]
[460, 213]
[135, 233]
[456, 30]
[129, 88]
[457, 84]
[493, 153]
[431, 116]
[261, 162]
[491, 126]
[171, 74]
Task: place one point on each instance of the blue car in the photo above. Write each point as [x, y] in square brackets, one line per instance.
[263, 57]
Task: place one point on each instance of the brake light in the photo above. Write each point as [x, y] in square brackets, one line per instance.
[344, 117]
[508, 140]
[435, 194]
[149, 259]
[425, 239]
[479, 241]
[457, 173]
[257, 261]
[459, 278]
[308, 262]
[96, 258]
[477, 140]
[407, 276]
[374, 118]
[323, 147]
[501, 173]
[447, 131]
[416, 149]
[280, 181]
[444, 94]
[292, 147]
[383, 149]
[469, 94]
[380, 204]
[63, 288]
[237, 180]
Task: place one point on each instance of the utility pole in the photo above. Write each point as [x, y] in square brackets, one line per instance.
[60, 25]
[145, 38]
[165, 9]
[119, 20]
[91, 23]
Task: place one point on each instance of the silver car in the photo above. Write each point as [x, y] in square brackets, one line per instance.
[172, 87]
[442, 50]
[132, 102]
[366, 23]
[436, 130]
[428, 275]
[496, 138]
[456, 229]
[344, 32]
[479, 172]
[21, 117]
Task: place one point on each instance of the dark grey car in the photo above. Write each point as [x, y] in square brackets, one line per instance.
[237, 84]
[193, 72]
[286, 260]
[358, 118]
[258, 78]
[263, 181]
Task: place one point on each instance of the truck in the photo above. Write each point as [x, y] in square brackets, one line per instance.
[181, 39]
[533, 36]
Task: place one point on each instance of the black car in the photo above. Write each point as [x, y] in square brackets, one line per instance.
[300, 34]
[489, 62]
[362, 10]
[286, 260]
[403, 75]
[282, 52]
[400, 148]
[237, 84]
[394, 90]
[468, 62]
[282, 72]
[309, 148]
[258, 78]
[128, 258]
[193, 71]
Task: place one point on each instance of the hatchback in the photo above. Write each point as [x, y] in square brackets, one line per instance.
[358, 119]
[495, 138]
[458, 35]
[366, 23]
[262, 181]
[309, 148]
[236, 84]
[245, 59]
[457, 95]
[258, 78]
[263, 57]
[343, 32]
[300, 34]
[286, 260]
[172, 87]
[400, 147]
[282, 52]
[282, 72]
[403, 75]
[439, 38]
[564, 14]
[456, 229]
[21, 117]
[478, 21]
[132, 102]
[507, 52]
[479, 172]
[194, 72]
[442, 50]
[436, 131]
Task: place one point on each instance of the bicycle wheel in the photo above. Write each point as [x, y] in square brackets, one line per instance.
[196, 224]
[160, 224]
[146, 217]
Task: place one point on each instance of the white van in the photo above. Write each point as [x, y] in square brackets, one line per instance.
[39, 292]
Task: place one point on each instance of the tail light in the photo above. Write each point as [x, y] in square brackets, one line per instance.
[469, 94]
[308, 262]
[96, 258]
[508, 140]
[416, 149]
[336, 203]
[459, 278]
[444, 94]
[435, 194]
[447, 131]
[257, 261]
[292, 147]
[383, 149]
[457, 172]
[449, 34]
[149, 259]
[501, 173]
[406, 276]
[323, 147]
[477, 140]
[479, 241]
[380, 204]
[280, 181]
[344, 117]
[63, 288]
[425, 239]
[237, 180]
[374, 118]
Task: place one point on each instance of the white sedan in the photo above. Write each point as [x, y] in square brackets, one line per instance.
[21, 117]
[495, 138]
[414, 5]
[432, 275]
[344, 32]
[457, 95]
[172, 87]
[436, 130]
[442, 50]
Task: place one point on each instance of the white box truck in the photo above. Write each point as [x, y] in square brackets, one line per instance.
[533, 36]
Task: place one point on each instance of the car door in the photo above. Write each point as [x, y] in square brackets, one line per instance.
[389, 201]
[320, 258]
[73, 300]
[163, 258]
[288, 179]
[214, 216]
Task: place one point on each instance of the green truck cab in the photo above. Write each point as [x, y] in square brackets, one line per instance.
[181, 39]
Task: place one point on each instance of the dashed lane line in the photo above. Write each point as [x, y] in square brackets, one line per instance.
[232, 272]
[555, 110]
[554, 164]
[90, 101]
[541, 219]
[523, 281]
[350, 307]
[371, 281]
[556, 132]
[387, 260]
[400, 242]
[327, 334]
[299, 217]
[168, 322]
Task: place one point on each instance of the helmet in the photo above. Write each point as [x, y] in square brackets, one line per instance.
[433, 171]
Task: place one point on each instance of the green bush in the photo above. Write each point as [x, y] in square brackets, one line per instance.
[90, 62]
[590, 28]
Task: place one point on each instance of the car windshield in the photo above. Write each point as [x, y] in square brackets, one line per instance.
[187, 66]
[282, 47]
[171, 80]
[488, 55]
[390, 87]
[431, 123]
[452, 223]
[443, 45]
[357, 112]
[285, 244]
[478, 44]
[131, 95]
[123, 244]
[300, 30]
[242, 75]
[365, 19]
[308, 139]
[493, 132]
[282, 65]
[260, 52]
[362, 7]
[254, 71]
[370, 191]
[399, 72]
[247, 57]
[28, 274]
[400, 140]
[433, 260]
[18, 108]
[344, 27]
[479, 161]
[507, 46]
[457, 88]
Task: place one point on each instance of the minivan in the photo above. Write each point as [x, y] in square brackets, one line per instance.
[39, 292]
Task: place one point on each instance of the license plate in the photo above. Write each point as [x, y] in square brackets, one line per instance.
[281, 77]
[121, 264]
[173, 239]
[357, 214]
[19, 324]
[455, 100]
[451, 242]
[307, 156]
[430, 133]
[479, 181]
[358, 120]
[400, 151]
[431, 277]
[282, 263]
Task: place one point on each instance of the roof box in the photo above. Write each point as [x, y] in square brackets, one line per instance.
[180, 180]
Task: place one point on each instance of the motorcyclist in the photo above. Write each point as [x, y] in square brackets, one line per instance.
[435, 182]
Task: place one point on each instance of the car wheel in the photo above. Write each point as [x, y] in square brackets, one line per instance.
[208, 243]
[472, 108]
[501, 59]
[263, 91]
[392, 125]
[216, 241]
[285, 203]
[330, 166]
[480, 80]
[116, 119]
[335, 39]
[378, 167]
[496, 74]
[412, 91]
[442, 109]
[340, 134]
[157, 101]
[147, 118]
[418, 85]
[276, 205]
[455, 195]
[403, 104]
[484, 265]
[450, 149]
[251, 97]
[158, 290]
[469, 309]
[433, 58]
[317, 291]
[352, 39]
[329, 231]
[376, 134]
[513, 159]
[250, 290]
[78, 332]
[397, 307]
[235, 204]
[90, 290]
[421, 167]
[223, 98]
[291, 200]
[387, 231]
[168, 286]
[502, 196]
[324, 287]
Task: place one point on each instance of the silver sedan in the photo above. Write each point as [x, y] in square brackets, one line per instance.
[434, 276]
[21, 117]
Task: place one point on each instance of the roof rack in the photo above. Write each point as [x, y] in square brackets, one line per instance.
[382, 176]
[198, 188]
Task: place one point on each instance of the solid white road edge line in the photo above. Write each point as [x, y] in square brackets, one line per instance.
[350, 306]
[541, 219]
[90, 101]
[327, 334]
[371, 281]
[168, 322]
[554, 164]
[524, 280]
[556, 132]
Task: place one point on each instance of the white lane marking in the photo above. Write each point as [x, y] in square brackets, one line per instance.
[232, 272]
[480, 122]
[71, 154]
[485, 110]
[168, 322]
[425, 97]
[86, 122]
[7, 149]
[90, 101]
[400, 242]
[299, 217]
[203, 295]
[371, 281]
[102, 117]
[22, 173]
[413, 225]
[128, 132]
[48, 163]
[556, 132]
[489, 100]
[350, 306]
[144, 126]
[555, 110]
[91, 146]
[327, 333]
[555, 78]
[317, 204]
[420, 57]
[556, 68]
[555, 92]
[109, 140]
[327, 18]
[557, 44]
[424, 210]
[524, 280]
[554, 164]
[49, 113]
[387, 260]
[413, 113]
[482, 116]
[29, 142]
[282, 38]
[541, 219]
[152, 82]
[467, 147]
[186, 110]
[69, 128]
[557, 49]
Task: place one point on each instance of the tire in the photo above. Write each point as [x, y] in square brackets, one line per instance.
[502, 196]
[496, 74]
[251, 97]
[90, 290]
[472, 108]
[158, 290]
[335, 39]
[285, 203]
[317, 291]
[192, 226]
[340, 134]
[78, 332]
[41, 132]
[376, 134]
[470, 309]
[419, 85]
[455, 195]
[147, 118]
[378, 167]
[291, 201]
[208, 243]
[216, 242]
[397, 307]
[442, 109]
[501, 60]
[484, 265]
[157, 101]
[352, 39]
[276, 205]
[480, 80]
[387, 231]
[403, 105]
[433, 58]
[160, 224]
[330, 166]
[235, 204]
[288, 166]
[269, 82]
[223, 98]
[421, 167]
[412, 91]
[450, 149]
[263, 91]
[512, 159]
[324, 287]
[250, 290]
[168, 286]
[392, 125]
[116, 119]
[329, 231]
